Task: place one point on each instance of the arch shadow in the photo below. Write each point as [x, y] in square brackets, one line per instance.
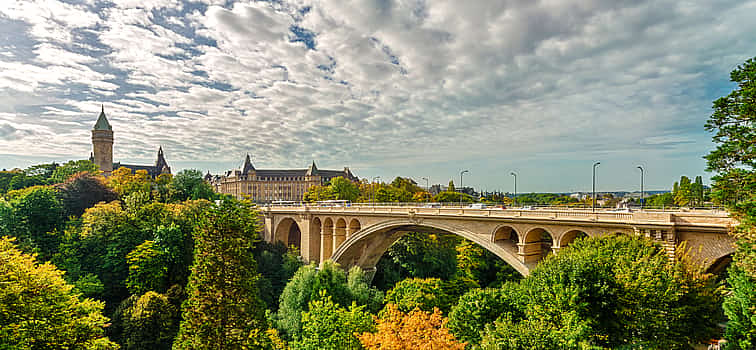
[288, 232]
[365, 247]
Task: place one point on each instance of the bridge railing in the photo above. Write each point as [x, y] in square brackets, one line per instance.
[717, 218]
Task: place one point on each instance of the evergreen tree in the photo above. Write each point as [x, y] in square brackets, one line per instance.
[734, 125]
[224, 309]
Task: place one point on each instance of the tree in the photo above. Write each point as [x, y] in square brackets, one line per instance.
[38, 216]
[611, 292]
[306, 285]
[81, 191]
[189, 184]
[276, 265]
[733, 123]
[684, 193]
[451, 187]
[424, 294]
[40, 311]
[148, 321]
[147, 269]
[414, 330]
[480, 265]
[224, 309]
[70, 168]
[318, 193]
[125, 183]
[480, 307]
[328, 325]
[344, 189]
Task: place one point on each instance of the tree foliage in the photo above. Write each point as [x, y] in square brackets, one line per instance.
[306, 285]
[224, 309]
[414, 330]
[344, 189]
[327, 325]
[147, 269]
[189, 184]
[611, 292]
[39, 310]
[480, 307]
[733, 123]
[148, 321]
[83, 190]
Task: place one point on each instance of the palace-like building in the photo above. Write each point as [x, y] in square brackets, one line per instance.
[102, 155]
[267, 185]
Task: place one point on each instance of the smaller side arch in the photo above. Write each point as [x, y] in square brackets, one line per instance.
[326, 239]
[506, 236]
[536, 245]
[354, 226]
[315, 229]
[571, 236]
[339, 233]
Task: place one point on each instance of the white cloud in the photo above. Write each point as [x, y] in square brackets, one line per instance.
[388, 85]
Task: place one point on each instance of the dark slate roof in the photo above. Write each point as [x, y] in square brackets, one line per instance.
[102, 121]
[151, 169]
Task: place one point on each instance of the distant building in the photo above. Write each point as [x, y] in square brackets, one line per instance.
[102, 154]
[267, 185]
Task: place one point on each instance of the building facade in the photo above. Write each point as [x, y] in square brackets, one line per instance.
[268, 185]
[102, 151]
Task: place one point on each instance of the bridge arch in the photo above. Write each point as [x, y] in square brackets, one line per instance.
[326, 239]
[288, 232]
[365, 247]
[536, 244]
[354, 226]
[570, 236]
[315, 230]
[506, 236]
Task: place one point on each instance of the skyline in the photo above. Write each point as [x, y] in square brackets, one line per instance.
[386, 88]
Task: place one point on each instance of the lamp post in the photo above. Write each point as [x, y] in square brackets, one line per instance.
[594, 185]
[460, 186]
[373, 191]
[641, 197]
[515, 188]
[427, 186]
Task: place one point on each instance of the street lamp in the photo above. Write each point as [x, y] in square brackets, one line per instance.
[373, 191]
[641, 173]
[515, 188]
[594, 185]
[460, 185]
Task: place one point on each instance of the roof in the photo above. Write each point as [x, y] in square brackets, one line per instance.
[102, 121]
[247, 165]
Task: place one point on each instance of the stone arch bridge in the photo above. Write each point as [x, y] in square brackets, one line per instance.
[359, 234]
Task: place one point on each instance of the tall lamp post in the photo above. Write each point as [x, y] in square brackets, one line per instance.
[594, 185]
[460, 186]
[515, 187]
[371, 185]
[641, 173]
[427, 186]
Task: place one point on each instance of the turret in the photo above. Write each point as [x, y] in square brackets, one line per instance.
[102, 143]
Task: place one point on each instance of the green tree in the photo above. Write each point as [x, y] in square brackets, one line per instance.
[38, 310]
[733, 123]
[684, 193]
[327, 325]
[224, 309]
[611, 292]
[483, 267]
[147, 321]
[451, 187]
[318, 193]
[480, 307]
[38, 216]
[422, 293]
[344, 189]
[70, 168]
[147, 269]
[190, 184]
[306, 285]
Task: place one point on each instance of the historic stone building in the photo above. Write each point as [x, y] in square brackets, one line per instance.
[102, 154]
[267, 185]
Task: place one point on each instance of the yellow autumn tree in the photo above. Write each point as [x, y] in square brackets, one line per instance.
[418, 330]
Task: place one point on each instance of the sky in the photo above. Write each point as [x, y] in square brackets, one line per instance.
[388, 88]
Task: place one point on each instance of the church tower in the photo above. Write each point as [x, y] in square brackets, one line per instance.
[102, 141]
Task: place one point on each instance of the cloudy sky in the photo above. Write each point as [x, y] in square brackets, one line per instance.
[391, 87]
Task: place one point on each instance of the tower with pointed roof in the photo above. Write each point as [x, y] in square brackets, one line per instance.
[102, 143]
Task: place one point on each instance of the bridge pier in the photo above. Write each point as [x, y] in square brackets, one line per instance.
[326, 241]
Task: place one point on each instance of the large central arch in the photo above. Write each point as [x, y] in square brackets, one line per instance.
[365, 247]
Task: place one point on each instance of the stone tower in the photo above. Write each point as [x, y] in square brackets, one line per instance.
[102, 141]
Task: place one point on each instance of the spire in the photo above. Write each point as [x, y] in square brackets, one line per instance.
[312, 170]
[247, 165]
[161, 165]
[102, 121]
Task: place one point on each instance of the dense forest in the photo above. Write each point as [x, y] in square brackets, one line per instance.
[133, 262]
